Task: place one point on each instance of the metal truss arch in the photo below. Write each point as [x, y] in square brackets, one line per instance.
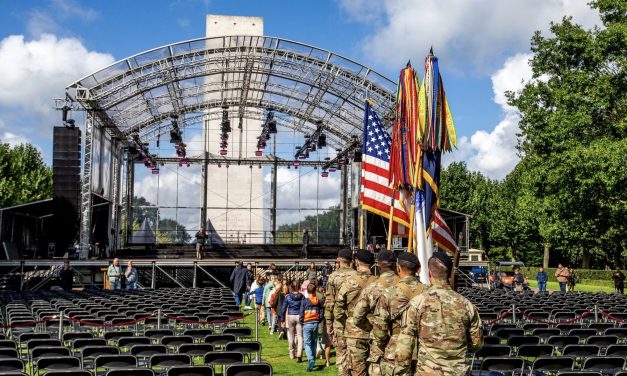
[303, 83]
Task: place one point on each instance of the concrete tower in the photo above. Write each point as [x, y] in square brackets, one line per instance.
[234, 194]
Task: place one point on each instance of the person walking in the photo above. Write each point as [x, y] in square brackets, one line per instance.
[278, 306]
[114, 273]
[443, 322]
[257, 293]
[619, 281]
[290, 316]
[311, 313]
[312, 273]
[354, 359]
[250, 277]
[131, 276]
[238, 282]
[268, 288]
[572, 280]
[387, 318]
[542, 278]
[66, 276]
[325, 340]
[201, 237]
[562, 275]
[305, 243]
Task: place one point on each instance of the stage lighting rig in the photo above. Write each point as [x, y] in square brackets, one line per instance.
[268, 128]
[225, 128]
[312, 142]
[343, 156]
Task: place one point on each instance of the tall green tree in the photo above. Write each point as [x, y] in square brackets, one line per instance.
[573, 130]
[24, 177]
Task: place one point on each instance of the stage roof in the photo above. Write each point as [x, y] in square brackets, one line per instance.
[191, 79]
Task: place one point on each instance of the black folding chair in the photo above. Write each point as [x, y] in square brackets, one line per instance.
[223, 358]
[602, 341]
[58, 363]
[196, 349]
[219, 340]
[165, 361]
[109, 362]
[131, 372]
[74, 372]
[581, 351]
[616, 350]
[240, 333]
[258, 369]
[245, 347]
[11, 365]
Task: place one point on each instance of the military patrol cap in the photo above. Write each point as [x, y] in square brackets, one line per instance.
[386, 256]
[409, 257]
[365, 257]
[345, 254]
[444, 259]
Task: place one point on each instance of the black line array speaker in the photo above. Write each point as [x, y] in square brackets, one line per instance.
[66, 180]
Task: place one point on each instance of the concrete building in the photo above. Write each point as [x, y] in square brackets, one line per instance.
[235, 195]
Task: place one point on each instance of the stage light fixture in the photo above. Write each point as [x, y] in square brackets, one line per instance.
[358, 155]
[324, 174]
[322, 140]
[258, 153]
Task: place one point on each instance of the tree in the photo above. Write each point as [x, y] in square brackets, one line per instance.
[327, 224]
[573, 129]
[24, 177]
[168, 230]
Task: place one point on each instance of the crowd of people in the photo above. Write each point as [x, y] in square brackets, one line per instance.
[372, 321]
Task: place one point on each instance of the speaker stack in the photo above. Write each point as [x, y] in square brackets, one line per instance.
[66, 179]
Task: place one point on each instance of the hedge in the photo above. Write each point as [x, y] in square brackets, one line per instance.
[584, 276]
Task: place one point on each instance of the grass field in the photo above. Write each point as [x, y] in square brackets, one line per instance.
[578, 287]
[274, 351]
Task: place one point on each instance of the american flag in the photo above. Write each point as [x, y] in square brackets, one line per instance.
[442, 235]
[375, 170]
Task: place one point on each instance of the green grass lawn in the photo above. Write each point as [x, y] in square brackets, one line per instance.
[578, 287]
[274, 351]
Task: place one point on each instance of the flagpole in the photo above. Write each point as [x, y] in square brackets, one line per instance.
[361, 228]
[391, 220]
[410, 241]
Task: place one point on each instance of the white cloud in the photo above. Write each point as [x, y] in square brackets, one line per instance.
[479, 32]
[46, 20]
[494, 153]
[35, 71]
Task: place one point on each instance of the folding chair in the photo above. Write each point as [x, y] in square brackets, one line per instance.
[109, 362]
[131, 372]
[155, 335]
[219, 340]
[90, 353]
[258, 369]
[165, 361]
[11, 365]
[196, 349]
[198, 334]
[144, 352]
[552, 364]
[245, 347]
[58, 363]
[581, 351]
[74, 372]
[241, 332]
[616, 350]
[223, 358]
[602, 341]
[562, 341]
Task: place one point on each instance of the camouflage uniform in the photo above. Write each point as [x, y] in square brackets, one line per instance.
[343, 326]
[386, 322]
[362, 319]
[333, 286]
[446, 326]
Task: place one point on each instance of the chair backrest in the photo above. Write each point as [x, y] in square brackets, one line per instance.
[96, 351]
[553, 363]
[220, 339]
[45, 351]
[113, 336]
[502, 364]
[83, 342]
[581, 350]
[65, 362]
[239, 332]
[75, 335]
[603, 341]
[145, 351]
[493, 350]
[534, 351]
[130, 372]
[198, 333]
[562, 341]
[604, 363]
[8, 353]
[131, 341]
[223, 357]
[10, 365]
[170, 360]
[158, 333]
[258, 369]
[191, 371]
[7, 344]
[619, 332]
[170, 340]
[616, 350]
[75, 372]
[517, 341]
[43, 342]
[245, 347]
[196, 349]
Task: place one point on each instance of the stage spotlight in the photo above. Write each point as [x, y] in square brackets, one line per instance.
[258, 153]
[70, 123]
[324, 174]
[65, 111]
[296, 164]
[358, 155]
[322, 140]
[155, 171]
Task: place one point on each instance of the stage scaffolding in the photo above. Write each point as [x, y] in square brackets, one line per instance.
[137, 97]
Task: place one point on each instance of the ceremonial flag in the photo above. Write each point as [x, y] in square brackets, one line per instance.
[423, 243]
[376, 194]
[431, 161]
[405, 148]
[442, 235]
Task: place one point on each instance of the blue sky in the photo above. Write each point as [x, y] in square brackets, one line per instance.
[483, 47]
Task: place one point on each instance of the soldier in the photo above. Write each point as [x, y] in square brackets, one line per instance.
[388, 311]
[445, 324]
[363, 317]
[354, 361]
[344, 258]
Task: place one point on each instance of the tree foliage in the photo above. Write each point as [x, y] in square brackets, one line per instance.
[323, 229]
[568, 191]
[24, 177]
[169, 231]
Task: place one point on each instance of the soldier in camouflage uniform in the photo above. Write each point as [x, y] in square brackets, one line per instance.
[344, 258]
[363, 317]
[445, 324]
[345, 300]
[387, 315]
